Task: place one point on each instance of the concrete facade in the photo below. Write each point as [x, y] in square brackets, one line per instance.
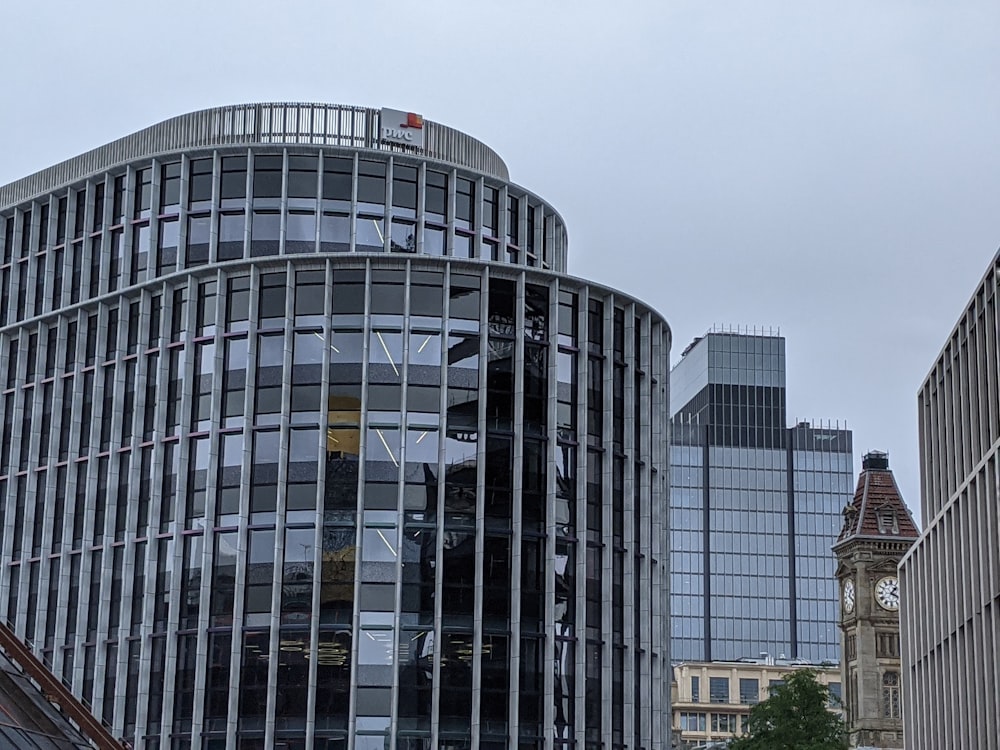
[951, 577]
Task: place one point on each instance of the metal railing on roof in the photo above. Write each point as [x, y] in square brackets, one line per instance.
[283, 123]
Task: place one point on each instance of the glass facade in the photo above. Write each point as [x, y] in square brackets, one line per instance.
[305, 454]
[755, 507]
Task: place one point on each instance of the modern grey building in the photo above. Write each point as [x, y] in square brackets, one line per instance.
[309, 442]
[950, 579]
[755, 506]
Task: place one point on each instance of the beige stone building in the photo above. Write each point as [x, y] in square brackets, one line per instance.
[712, 700]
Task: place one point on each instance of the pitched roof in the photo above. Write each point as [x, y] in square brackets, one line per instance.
[877, 510]
[28, 719]
[37, 710]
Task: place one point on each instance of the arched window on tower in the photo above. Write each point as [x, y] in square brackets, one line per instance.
[890, 695]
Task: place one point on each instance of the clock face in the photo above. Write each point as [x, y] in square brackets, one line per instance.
[849, 596]
[887, 593]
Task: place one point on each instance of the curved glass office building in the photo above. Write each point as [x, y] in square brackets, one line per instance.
[308, 442]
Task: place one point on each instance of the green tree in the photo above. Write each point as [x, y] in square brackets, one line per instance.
[795, 717]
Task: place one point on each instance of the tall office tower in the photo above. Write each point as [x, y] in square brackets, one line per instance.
[754, 508]
[950, 578]
[309, 442]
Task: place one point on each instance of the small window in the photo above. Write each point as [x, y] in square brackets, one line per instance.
[490, 211]
[272, 296]
[267, 177]
[465, 203]
[371, 182]
[302, 177]
[890, 695]
[200, 183]
[749, 691]
[170, 187]
[238, 301]
[97, 216]
[513, 219]
[337, 178]
[436, 196]
[404, 190]
[199, 230]
[835, 694]
[234, 178]
[61, 210]
[718, 688]
[143, 193]
[118, 199]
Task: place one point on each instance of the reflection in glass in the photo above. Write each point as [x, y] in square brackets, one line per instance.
[369, 235]
[416, 673]
[495, 681]
[463, 245]
[383, 444]
[297, 574]
[418, 567]
[386, 347]
[336, 594]
[335, 233]
[403, 238]
[265, 231]
[302, 445]
[270, 350]
[536, 311]
[260, 569]
[463, 350]
[232, 227]
[309, 348]
[346, 347]
[333, 678]
[456, 680]
[375, 647]
[379, 545]
[422, 445]
[564, 666]
[169, 239]
[434, 241]
[293, 674]
[217, 676]
[458, 576]
[425, 348]
[253, 674]
[371, 742]
[224, 578]
[300, 232]
[566, 489]
[461, 446]
[237, 354]
[565, 568]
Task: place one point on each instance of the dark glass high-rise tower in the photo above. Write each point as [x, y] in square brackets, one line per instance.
[309, 442]
[755, 507]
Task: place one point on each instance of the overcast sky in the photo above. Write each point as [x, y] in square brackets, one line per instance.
[830, 168]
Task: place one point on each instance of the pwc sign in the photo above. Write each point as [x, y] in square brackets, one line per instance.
[406, 128]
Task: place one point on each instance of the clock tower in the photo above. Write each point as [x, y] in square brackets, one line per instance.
[878, 530]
